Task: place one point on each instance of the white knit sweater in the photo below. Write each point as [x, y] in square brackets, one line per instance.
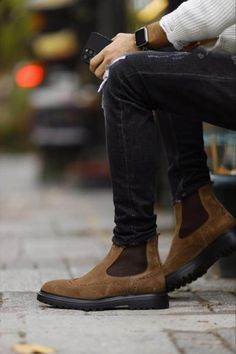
[195, 20]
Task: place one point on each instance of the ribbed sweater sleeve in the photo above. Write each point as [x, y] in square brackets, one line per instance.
[196, 20]
[227, 40]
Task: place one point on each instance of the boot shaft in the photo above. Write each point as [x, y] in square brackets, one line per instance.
[202, 210]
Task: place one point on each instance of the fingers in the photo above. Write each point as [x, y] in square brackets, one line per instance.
[100, 71]
[96, 61]
[99, 63]
[121, 43]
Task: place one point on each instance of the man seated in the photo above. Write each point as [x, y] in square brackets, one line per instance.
[187, 88]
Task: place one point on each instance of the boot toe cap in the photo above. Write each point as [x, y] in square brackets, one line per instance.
[56, 287]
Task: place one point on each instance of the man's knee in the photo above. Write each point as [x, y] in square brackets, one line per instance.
[117, 70]
[120, 75]
[111, 85]
[122, 80]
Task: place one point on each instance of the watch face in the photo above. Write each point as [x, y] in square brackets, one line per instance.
[141, 37]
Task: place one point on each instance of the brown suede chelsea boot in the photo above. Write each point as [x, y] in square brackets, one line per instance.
[205, 231]
[130, 277]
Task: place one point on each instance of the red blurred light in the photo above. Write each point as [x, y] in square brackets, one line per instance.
[29, 75]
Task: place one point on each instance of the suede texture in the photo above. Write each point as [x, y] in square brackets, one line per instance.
[99, 284]
[185, 249]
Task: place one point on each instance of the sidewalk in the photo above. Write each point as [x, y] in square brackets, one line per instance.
[48, 233]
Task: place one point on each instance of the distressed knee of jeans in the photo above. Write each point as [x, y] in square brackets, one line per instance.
[112, 71]
[117, 66]
[117, 71]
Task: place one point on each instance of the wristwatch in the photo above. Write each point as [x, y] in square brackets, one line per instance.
[141, 38]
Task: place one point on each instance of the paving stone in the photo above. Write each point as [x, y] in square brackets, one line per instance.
[19, 279]
[215, 284]
[195, 342]
[10, 250]
[96, 332]
[218, 300]
[184, 302]
[228, 336]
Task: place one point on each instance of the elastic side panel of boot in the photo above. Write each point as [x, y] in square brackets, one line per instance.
[132, 261]
[194, 215]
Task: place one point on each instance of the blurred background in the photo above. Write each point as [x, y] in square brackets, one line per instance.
[49, 105]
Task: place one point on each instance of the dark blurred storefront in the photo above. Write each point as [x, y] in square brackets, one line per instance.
[173, 4]
[67, 120]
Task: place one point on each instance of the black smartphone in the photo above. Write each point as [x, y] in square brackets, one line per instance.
[94, 45]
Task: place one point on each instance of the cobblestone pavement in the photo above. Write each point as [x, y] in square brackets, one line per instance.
[53, 232]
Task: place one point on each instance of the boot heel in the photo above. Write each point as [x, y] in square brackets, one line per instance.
[226, 243]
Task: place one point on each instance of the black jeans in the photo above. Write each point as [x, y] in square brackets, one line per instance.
[186, 89]
[187, 160]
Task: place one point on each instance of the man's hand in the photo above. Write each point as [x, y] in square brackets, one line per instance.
[122, 43]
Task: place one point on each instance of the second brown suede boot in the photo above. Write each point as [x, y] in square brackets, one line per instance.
[129, 277]
[205, 231]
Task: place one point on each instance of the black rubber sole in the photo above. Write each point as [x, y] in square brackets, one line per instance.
[224, 245]
[133, 302]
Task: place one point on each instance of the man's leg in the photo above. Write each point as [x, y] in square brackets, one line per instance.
[131, 144]
[131, 274]
[188, 176]
[187, 160]
[188, 172]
